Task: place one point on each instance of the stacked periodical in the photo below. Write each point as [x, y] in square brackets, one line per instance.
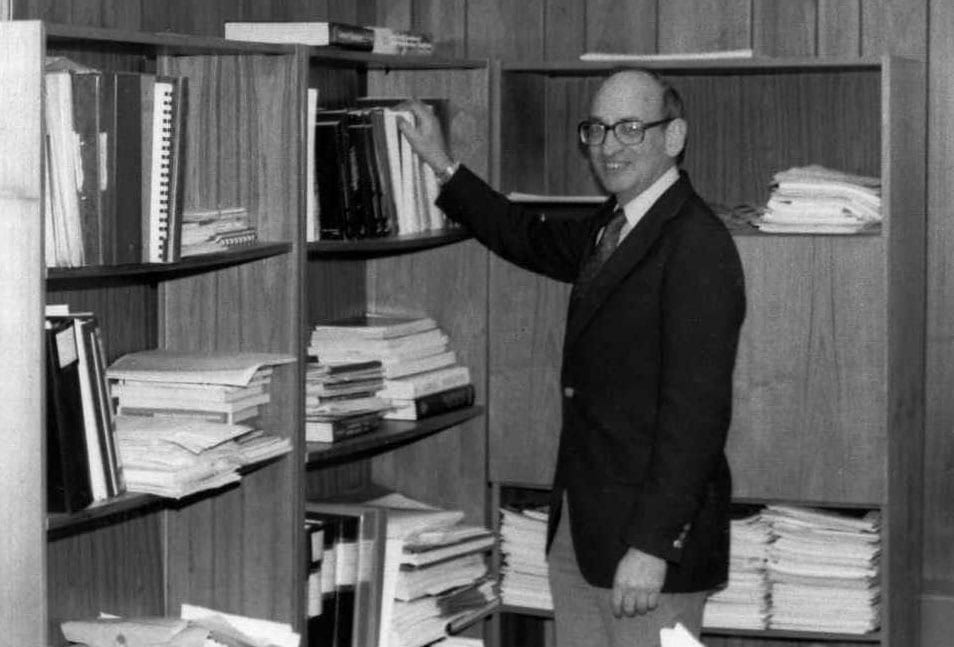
[818, 200]
[524, 581]
[824, 570]
[205, 231]
[435, 572]
[341, 399]
[420, 373]
[744, 602]
[189, 421]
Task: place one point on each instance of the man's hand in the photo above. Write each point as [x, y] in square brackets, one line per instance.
[639, 579]
[425, 137]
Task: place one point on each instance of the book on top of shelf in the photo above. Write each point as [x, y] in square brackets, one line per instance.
[373, 325]
[237, 369]
[432, 404]
[333, 430]
[421, 384]
[397, 367]
[315, 33]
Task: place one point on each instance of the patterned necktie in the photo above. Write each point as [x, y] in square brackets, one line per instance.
[603, 250]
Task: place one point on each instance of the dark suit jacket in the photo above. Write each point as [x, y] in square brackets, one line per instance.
[648, 355]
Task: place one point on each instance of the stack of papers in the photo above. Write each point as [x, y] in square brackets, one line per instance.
[188, 421]
[435, 572]
[744, 602]
[824, 570]
[817, 200]
[524, 581]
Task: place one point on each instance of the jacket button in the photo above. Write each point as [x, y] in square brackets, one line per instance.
[568, 391]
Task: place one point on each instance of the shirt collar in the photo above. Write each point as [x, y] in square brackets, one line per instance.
[636, 208]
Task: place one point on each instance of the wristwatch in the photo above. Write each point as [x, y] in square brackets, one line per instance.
[447, 172]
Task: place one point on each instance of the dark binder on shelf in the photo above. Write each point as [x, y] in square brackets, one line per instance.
[69, 487]
[434, 404]
[332, 174]
[126, 96]
[87, 102]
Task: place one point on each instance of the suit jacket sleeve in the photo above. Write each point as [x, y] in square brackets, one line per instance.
[531, 240]
[703, 305]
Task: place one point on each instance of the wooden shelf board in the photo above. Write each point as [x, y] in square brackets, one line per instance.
[762, 634]
[385, 246]
[391, 435]
[356, 58]
[148, 272]
[133, 503]
[755, 64]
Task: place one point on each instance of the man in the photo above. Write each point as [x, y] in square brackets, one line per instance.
[649, 350]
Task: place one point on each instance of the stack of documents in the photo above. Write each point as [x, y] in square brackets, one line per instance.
[824, 570]
[744, 602]
[524, 581]
[189, 421]
[435, 573]
[817, 200]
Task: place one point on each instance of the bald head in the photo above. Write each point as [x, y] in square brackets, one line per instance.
[627, 168]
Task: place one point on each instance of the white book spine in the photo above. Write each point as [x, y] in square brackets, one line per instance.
[421, 384]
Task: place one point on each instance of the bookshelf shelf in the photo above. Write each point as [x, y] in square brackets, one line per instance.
[386, 246]
[151, 272]
[391, 435]
[717, 66]
[334, 57]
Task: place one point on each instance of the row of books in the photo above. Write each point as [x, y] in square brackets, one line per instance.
[188, 422]
[393, 572]
[376, 366]
[113, 160]
[84, 464]
[790, 568]
[365, 180]
[374, 39]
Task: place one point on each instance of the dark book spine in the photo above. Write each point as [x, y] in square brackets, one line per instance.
[321, 627]
[126, 165]
[69, 486]
[350, 36]
[444, 401]
[330, 179]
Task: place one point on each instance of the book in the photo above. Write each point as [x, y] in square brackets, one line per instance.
[182, 367]
[332, 174]
[433, 404]
[227, 417]
[316, 33]
[87, 90]
[333, 430]
[420, 384]
[395, 368]
[69, 487]
[159, 400]
[372, 325]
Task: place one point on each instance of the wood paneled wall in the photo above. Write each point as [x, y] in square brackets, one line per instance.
[561, 29]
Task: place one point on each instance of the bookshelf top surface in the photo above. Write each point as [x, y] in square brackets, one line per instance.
[354, 58]
[161, 42]
[692, 65]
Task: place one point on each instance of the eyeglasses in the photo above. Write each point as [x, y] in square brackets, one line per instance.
[628, 132]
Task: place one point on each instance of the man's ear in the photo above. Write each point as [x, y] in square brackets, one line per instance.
[675, 136]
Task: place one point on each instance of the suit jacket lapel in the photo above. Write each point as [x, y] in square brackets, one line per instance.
[629, 253]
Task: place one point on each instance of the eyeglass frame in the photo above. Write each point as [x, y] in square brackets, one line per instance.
[586, 123]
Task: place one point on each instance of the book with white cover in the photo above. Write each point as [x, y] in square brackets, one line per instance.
[372, 325]
[420, 384]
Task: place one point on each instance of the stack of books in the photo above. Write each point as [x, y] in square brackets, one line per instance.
[205, 231]
[341, 399]
[421, 375]
[824, 570]
[818, 200]
[435, 578]
[188, 421]
[524, 578]
[744, 602]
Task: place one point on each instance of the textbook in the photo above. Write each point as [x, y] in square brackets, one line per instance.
[372, 326]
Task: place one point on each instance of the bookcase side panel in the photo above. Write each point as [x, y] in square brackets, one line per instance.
[904, 180]
[238, 551]
[22, 466]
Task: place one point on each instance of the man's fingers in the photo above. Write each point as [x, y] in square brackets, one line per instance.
[652, 601]
[616, 601]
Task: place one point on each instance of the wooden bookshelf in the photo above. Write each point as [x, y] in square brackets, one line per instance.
[364, 248]
[234, 549]
[828, 399]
